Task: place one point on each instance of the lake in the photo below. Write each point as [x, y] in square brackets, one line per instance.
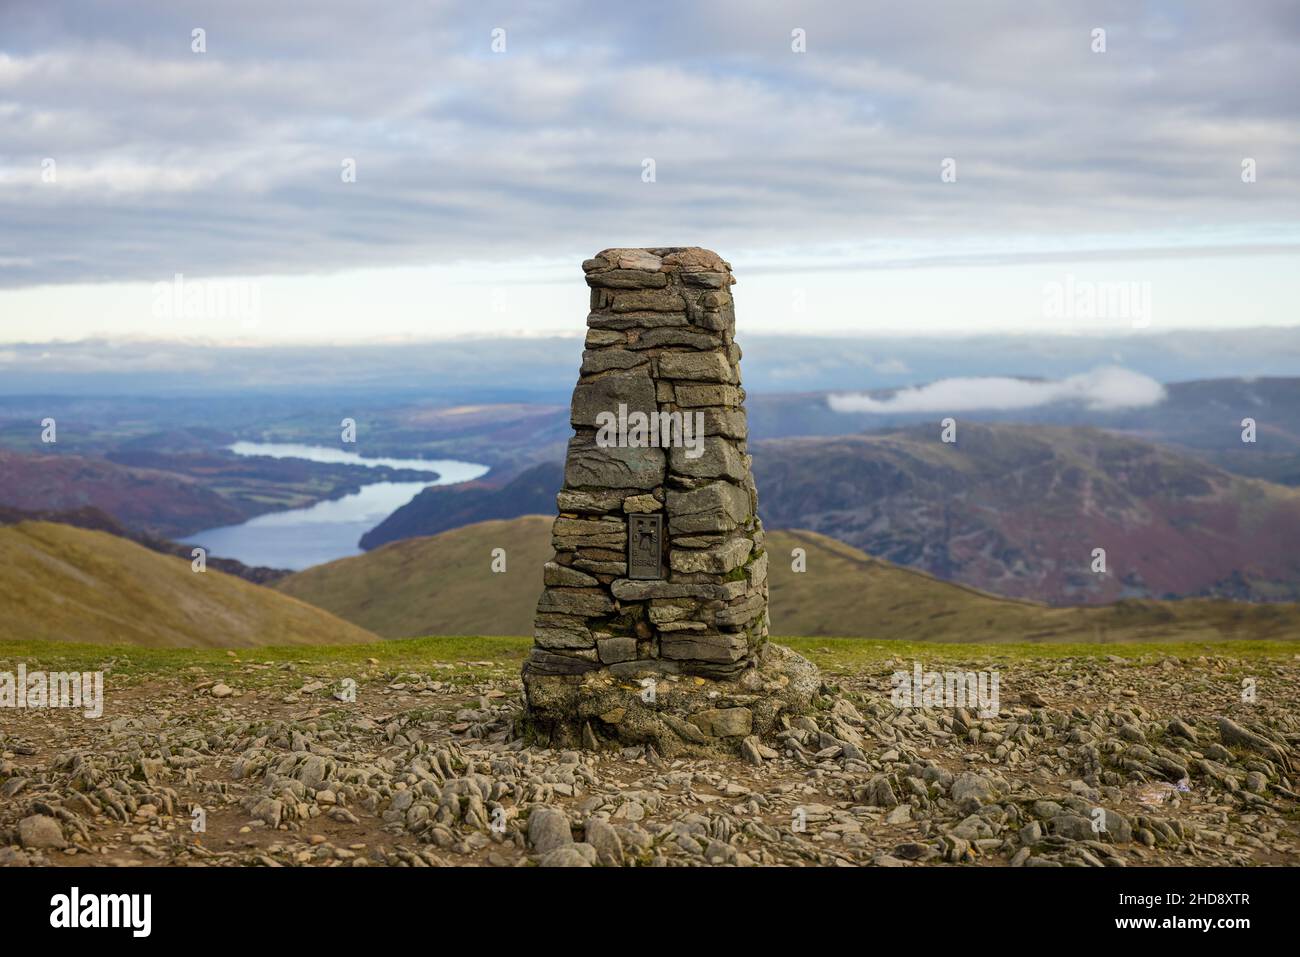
[302, 537]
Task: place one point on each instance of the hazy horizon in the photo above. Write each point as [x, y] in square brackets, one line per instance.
[483, 366]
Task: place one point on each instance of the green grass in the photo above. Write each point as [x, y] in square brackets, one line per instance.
[408, 654]
[833, 655]
[849, 655]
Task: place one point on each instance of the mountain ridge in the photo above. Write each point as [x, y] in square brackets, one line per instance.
[1013, 509]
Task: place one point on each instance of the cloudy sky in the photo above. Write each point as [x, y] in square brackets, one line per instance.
[1094, 191]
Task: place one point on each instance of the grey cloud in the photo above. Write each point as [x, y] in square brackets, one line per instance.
[229, 162]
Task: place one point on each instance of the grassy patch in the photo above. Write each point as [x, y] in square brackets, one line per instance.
[411, 654]
[467, 653]
[849, 655]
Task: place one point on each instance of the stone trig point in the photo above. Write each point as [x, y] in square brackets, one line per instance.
[653, 623]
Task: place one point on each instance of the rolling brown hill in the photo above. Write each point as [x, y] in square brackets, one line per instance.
[443, 585]
[96, 519]
[61, 583]
[437, 585]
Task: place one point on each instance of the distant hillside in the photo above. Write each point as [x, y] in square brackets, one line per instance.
[440, 508]
[1202, 418]
[1012, 509]
[845, 592]
[1018, 510]
[443, 585]
[98, 520]
[60, 583]
[1205, 418]
[144, 500]
[168, 494]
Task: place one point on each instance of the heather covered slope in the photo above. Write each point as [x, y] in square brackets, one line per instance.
[142, 499]
[846, 592]
[60, 583]
[443, 584]
[1012, 509]
[169, 485]
[1018, 510]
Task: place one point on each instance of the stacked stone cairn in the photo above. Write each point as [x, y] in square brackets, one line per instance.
[680, 662]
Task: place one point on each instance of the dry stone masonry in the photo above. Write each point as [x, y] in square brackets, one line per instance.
[653, 623]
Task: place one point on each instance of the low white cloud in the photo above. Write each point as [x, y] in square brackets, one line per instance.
[1102, 389]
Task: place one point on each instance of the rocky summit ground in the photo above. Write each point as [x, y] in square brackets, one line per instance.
[1147, 757]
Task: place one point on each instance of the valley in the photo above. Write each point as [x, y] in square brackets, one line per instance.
[1015, 507]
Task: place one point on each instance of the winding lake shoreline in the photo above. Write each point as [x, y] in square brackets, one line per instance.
[299, 538]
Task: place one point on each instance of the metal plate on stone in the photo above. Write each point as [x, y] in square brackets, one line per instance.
[645, 546]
